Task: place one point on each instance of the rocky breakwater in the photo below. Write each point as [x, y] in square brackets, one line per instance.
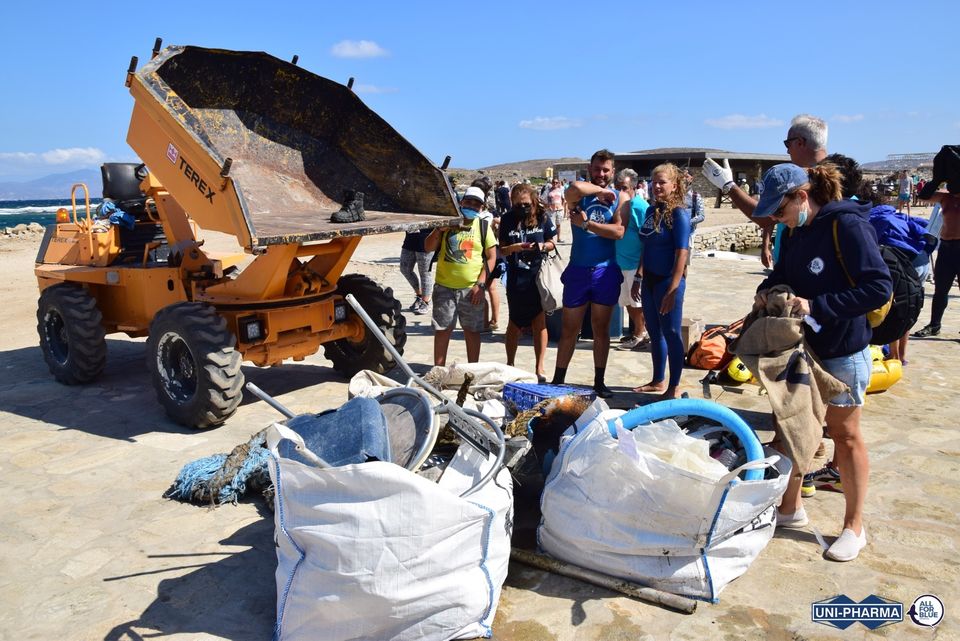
[732, 238]
[24, 231]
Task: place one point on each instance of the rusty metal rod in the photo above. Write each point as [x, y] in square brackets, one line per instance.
[676, 602]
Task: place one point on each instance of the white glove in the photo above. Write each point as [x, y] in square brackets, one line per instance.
[719, 176]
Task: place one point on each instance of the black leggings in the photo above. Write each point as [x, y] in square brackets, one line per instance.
[945, 271]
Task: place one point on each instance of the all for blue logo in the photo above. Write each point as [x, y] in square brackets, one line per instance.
[842, 612]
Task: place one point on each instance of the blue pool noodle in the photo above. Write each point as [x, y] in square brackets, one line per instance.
[697, 407]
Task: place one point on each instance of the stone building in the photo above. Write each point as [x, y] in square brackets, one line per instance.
[744, 165]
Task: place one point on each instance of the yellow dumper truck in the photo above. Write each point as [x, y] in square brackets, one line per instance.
[248, 145]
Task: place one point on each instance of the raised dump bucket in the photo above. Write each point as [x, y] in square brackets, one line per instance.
[296, 142]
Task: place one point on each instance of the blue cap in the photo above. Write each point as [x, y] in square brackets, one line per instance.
[779, 181]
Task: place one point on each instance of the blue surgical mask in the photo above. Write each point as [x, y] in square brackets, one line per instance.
[469, 214]
[802, 217]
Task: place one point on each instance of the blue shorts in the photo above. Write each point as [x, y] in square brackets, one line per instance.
[854, 370]
[600, 285]
[904, 197]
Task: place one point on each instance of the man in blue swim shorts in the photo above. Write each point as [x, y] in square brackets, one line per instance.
[592, 276]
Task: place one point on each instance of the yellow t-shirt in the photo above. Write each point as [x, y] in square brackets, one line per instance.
[461, 257]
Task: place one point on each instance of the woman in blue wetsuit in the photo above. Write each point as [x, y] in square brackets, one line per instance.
[661, 280]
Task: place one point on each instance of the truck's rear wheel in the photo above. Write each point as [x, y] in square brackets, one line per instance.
[349, 357]
[72, 337]
[194, 363]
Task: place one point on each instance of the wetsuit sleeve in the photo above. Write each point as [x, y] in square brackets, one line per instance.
[681, 228]
[872, 283]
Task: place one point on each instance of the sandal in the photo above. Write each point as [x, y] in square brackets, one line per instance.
[926, 332]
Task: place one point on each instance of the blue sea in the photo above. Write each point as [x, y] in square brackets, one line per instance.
[15, 212]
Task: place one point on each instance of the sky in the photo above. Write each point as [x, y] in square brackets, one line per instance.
[495, 82]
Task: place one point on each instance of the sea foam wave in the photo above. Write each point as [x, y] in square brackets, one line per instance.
[22, 211]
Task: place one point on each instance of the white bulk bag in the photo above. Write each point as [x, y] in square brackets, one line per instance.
[651, 522]
[373, 551]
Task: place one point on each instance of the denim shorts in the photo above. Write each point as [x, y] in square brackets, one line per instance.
[854, 370]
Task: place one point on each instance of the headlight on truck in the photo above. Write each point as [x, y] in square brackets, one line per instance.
[340, 311]
[251, 329]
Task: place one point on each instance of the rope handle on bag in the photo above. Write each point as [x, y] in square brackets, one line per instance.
[759, 464]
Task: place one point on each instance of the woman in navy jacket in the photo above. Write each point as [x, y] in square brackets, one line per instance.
[835, 292]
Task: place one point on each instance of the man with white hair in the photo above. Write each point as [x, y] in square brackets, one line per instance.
[806, 144]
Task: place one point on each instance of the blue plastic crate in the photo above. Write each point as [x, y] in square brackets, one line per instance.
[526, 395]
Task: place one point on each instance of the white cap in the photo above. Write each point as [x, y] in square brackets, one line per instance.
[474, 192]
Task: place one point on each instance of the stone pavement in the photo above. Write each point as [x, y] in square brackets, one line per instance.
[90, 550]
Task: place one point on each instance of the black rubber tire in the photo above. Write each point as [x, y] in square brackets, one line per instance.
[194, 363]
[72, 337]
[350, 357]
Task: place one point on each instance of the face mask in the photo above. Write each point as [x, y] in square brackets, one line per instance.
[469, 214]
[523, 209]
[802, 217]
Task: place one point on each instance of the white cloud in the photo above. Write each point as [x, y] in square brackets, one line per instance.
[739, 121]
[847, 118]
[543, 123]
[358, 49]
[55, 157]
[374, 89]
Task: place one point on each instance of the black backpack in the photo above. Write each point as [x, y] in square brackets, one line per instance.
[907, 297]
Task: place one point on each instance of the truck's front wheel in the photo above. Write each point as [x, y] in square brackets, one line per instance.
[194, 363]
[349, 357]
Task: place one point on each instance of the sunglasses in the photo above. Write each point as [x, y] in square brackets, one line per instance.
[786, 143]
[779, 213]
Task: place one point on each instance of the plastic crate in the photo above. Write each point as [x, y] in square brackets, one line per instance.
[526, 395]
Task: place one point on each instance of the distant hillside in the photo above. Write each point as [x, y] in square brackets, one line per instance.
[52, 186]
[510, 171]
[529, 167]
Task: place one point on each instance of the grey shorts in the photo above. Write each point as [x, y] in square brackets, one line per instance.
[450, 304]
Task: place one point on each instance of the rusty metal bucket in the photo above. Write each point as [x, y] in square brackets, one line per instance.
[295, 142]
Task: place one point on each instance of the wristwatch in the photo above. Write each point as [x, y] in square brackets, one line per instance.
[584, 224]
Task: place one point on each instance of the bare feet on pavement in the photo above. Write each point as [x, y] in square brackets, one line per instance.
[653, 387]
